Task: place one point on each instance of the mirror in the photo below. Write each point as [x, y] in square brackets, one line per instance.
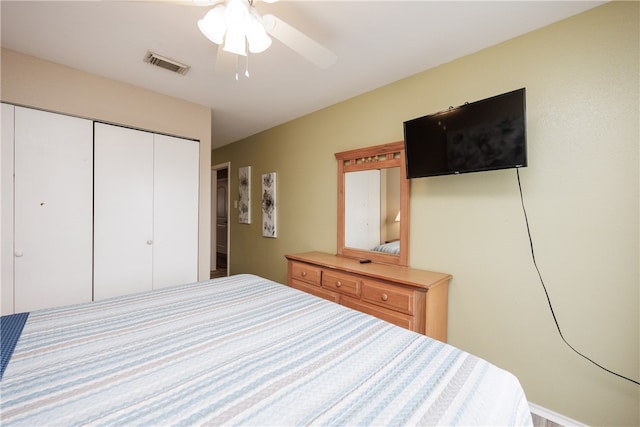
[373, 204]
[371, 207]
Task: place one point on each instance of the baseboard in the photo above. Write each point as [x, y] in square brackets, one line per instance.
[554, 417]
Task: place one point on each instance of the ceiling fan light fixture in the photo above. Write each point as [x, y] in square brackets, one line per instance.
[237, 16]
[235, 24]
[235, 42]
[257, 37]
[214, 24]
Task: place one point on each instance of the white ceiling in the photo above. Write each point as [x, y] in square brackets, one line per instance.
[377, 42]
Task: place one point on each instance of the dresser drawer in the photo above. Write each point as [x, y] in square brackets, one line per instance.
[389, 296]
[305, 272]
[315, 290]
[399, 319]
[346, 284]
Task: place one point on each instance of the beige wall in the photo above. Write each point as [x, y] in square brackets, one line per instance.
[32, 82]
[581, 191]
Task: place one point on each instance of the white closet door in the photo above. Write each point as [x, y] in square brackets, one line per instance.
[6, 212]
[175, 249]
[123, 211]
[53, 209]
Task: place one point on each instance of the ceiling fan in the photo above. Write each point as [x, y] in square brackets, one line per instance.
[237, 24]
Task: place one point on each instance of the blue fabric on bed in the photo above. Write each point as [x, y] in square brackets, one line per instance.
[10, 330]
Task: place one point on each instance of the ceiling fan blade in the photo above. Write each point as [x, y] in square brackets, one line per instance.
[299, 42]
[184, 2]
[206, 2]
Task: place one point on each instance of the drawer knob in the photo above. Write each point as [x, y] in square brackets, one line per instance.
[338, 284]
[384, 297]
[303, 274]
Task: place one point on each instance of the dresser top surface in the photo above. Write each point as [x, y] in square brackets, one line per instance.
[404, 275]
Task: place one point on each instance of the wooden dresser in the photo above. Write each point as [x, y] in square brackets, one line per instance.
[411, 298]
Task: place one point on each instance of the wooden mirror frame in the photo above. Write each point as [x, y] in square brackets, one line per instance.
[377, 157]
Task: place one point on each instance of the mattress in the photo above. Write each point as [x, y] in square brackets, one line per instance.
[243, 350]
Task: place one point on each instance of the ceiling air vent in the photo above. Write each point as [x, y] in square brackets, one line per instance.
[166, 63]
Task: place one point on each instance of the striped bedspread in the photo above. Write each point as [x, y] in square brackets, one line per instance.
[389, 248]
[243, 350]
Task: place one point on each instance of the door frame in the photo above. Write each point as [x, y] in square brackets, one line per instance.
[214, 210]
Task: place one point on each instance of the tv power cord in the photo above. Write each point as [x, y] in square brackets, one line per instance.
[533, 256]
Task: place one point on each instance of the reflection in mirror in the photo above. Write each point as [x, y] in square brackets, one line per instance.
[371, 210]
[373, 204]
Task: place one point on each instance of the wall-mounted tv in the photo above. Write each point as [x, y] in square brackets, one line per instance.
[479, 136]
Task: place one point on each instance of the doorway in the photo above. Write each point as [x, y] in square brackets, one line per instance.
[220, 220]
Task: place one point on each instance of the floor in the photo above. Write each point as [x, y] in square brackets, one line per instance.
[539, 421]
[221, 266]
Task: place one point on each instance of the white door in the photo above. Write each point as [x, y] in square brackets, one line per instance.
[6, 211]
[53, 209]
[175, 211]
[123, 211]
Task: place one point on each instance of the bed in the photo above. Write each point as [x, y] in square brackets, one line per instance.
[242, 350]
[388, 248]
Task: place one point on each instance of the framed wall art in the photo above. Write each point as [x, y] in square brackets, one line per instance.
[269, 223]
[244, 195]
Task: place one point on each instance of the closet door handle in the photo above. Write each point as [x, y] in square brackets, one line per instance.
[149, 242]
[18, 254]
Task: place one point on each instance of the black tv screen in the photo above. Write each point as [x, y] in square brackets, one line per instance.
[479, 136]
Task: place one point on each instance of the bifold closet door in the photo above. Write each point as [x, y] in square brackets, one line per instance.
[6, 206]
[175, 212]
[53, 187]
[146, 211]
[123, 211]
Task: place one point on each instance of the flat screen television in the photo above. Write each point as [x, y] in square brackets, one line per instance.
[479, 136]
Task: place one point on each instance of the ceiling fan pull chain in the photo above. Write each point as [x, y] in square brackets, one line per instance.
[237, 59]
[246, 69]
